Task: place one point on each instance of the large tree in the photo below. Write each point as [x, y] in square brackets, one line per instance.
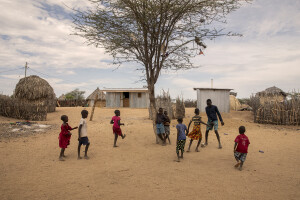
[157, 34]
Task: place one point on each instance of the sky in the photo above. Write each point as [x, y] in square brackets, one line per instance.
[40, 32]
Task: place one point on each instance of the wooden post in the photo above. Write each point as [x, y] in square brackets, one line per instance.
[93, 110]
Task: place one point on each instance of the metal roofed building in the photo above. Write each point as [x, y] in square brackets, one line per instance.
[127, 97]
[218, 96]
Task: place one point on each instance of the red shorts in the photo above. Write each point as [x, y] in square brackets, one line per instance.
[117, 131]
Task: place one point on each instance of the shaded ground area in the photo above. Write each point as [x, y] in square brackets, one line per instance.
[141, 169]
[22, 129]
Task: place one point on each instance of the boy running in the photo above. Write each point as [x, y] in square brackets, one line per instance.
[241, 147]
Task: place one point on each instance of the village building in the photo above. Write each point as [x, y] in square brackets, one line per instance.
[219, 98]
[126, 97]
[272, 94]
[97, 96]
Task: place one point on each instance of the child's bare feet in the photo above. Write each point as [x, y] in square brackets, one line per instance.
[61, 159]
[188, 150]
[197, 150]
[115, 146]
[78, 158]
[220, 146]
[240, 169]
[237, 165]
[86, 157]
[124, 136]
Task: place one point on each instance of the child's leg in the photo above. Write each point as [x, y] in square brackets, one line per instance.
[123, 136]
[78, 150]
[199, 142]
[161, 137]
[62, 151]
[206, 137]
[169, 139]
[241, 165]
[181, 154]
[115, 141]
[218, 137]
[191, 141]
[86, 150]
[178, 158]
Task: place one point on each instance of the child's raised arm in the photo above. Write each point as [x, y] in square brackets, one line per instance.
[111, 121]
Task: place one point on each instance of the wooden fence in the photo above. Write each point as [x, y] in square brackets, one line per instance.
[71, 103]
[11, 107]
[279, 113]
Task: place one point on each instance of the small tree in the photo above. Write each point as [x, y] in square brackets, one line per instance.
[157, 34]
[75, 94]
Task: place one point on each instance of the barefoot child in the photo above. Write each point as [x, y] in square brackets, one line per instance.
[82, 134]
[181, 138]
[116, 120]
[167, 126]
[196, 132]
[64, 136]
[241, 147]
[160, 129]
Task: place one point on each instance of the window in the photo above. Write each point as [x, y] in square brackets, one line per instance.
[139, 95]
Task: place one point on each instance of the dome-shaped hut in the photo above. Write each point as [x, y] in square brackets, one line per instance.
[35, 90]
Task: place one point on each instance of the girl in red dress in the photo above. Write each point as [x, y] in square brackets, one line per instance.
[64, 136]
[116, 121]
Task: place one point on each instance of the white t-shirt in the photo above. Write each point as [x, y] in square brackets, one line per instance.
[83, 128]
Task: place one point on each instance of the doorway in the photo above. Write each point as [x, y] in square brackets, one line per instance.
[126, 99]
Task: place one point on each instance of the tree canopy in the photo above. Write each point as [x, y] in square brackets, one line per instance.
[75, 94]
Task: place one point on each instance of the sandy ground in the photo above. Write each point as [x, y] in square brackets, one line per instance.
[141, 169]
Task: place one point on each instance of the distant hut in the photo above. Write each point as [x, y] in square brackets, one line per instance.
[100, 100]
[127, 97]
[271, 94]
[234, 103]
[37, 91]
[219, 97]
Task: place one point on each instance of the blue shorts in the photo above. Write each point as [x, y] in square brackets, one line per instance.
[214, 125]
[84, 141]
[160, 129]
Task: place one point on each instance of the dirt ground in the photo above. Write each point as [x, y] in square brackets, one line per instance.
[141, 169]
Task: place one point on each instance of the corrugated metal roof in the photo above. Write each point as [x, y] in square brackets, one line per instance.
[211, 89]
[125, 90]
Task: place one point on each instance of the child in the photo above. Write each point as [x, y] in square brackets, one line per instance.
[160, 129]
[64, 136]
[241, 147]
[181, 138]
[167, 126]
[116, 120]
[196, 132]
[82, 134]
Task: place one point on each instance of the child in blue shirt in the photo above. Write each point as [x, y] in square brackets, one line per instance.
[181, 138]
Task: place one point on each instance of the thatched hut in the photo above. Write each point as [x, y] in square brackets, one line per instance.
[37, 91]
[271, 94]
[234, 103]
[101, 102]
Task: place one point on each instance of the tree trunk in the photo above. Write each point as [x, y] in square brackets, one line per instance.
[152, 108]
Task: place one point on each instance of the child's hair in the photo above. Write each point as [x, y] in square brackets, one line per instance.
[160, 109]
[197, 111]
[165, 112]
[63, 117]
[208, 100]
[180, 120]
[242, 129]
[84, 113]
[117, 112]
